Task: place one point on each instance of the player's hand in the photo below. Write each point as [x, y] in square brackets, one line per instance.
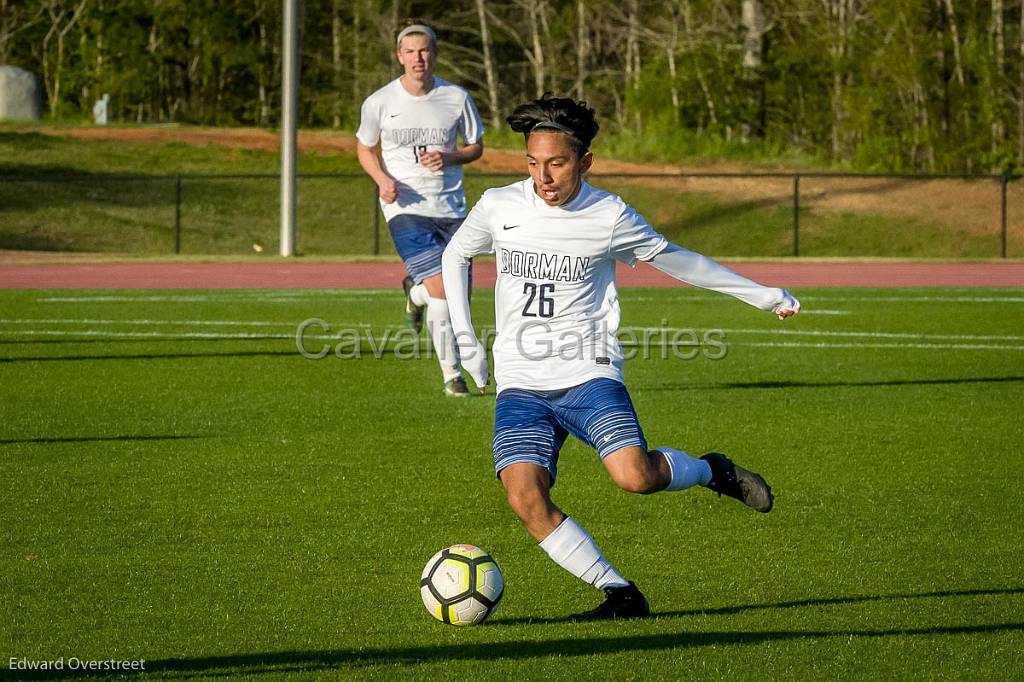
[789, 306]
[473, 357]
[432, 160]
[388, 190]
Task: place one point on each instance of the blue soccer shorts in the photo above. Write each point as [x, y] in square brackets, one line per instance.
[420, 241]
[531, 426]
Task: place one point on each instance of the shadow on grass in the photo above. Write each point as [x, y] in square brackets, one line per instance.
[94, 439]
[828, 384]
[279, 662]
[368, 353]
[28, 340]
[153, 356]
[717, 214]
[826, 601]
[78, 342]
[24, 188]
[36, 242]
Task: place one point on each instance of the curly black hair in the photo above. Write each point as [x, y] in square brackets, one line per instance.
[559, 114]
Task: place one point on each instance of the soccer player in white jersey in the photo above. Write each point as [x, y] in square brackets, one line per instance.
[558, 363]
[406, 142]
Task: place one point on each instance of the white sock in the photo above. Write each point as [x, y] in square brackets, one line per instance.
[687, 471]
[440, 327]
[573, 549]
[418, 294]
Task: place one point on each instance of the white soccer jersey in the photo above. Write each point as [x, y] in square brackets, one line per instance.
[556, 306]
[407, 126]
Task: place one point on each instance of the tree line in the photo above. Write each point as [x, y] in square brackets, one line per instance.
[897, 85]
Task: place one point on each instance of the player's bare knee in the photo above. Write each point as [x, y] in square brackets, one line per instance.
[435, 286]
[526, 501]
[639, 480]
[641, 485]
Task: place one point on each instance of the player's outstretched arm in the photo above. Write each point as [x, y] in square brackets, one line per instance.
[472, 354]
[701, 271]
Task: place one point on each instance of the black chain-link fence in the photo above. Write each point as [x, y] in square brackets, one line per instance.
[723, 214]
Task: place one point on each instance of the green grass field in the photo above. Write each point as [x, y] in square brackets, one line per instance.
[181, 486]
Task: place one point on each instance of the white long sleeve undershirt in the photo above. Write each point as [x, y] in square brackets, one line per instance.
[455, 274]
[693, 268]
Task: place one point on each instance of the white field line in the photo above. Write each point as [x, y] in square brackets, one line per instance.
[910, 341]
[330, 337]
[889, 298]
[182, 323]
[364, 325]
[286, 296]
[275, 296]
[917, 299]
[815, 311]
[840, 334]
[170, 336]
[916, 344]
[268, 299]
[878, 335]
[899, 346]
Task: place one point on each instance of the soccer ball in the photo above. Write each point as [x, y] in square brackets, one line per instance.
[461, 585]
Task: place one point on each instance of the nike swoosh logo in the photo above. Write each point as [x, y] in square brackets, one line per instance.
[393, 115]
[508, 227]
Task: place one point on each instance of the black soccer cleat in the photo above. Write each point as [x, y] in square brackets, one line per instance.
[456, 388]
[734, 481]
[413, 312]
[619, 603]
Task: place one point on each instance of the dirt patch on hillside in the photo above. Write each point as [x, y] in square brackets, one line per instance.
[972, 207]
[494, 160]
[239, 138]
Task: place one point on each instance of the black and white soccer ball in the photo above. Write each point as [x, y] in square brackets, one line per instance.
[461, 585]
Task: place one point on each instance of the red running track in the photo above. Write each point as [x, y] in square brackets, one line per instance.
[305, 275]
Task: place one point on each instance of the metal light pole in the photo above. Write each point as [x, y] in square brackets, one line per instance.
[289, 112]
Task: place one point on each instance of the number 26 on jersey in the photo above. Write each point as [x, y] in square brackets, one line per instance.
[539, 301]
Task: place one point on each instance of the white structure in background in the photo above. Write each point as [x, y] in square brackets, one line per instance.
[19, 95]
[100, 109]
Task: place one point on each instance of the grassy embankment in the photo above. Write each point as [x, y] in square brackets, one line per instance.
[102, 211]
